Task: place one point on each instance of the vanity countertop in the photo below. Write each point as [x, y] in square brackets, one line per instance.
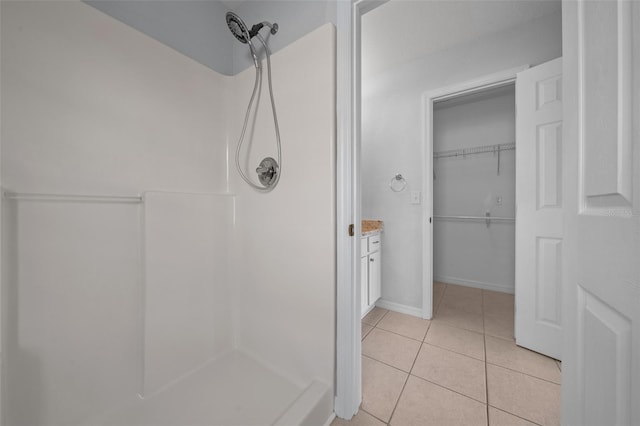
[371, 227]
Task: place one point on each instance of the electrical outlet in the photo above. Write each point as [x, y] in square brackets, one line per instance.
[415, 197]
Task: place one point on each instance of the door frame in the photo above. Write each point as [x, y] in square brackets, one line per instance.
[348, 364]
[486, 82]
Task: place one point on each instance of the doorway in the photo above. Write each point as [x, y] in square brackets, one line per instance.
[535, 37]
[476, 190]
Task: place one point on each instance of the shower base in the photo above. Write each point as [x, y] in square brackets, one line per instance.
[234, 390]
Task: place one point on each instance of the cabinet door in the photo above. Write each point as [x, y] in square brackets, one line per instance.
[364, 284]
[375, 278]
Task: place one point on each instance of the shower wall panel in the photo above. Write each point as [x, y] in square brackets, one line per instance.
[73, 331]
[91, 106]
[187, 296]
[285, 272]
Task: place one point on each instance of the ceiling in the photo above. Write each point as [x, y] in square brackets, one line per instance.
[400, 31]
[232, 4]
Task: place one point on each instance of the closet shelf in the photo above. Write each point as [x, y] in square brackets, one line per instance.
[474, 218]
[487, 218]
[463, 152]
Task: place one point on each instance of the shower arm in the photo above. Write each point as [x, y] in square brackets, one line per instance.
[273, 28]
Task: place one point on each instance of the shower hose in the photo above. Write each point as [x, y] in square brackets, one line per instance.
[257, 87]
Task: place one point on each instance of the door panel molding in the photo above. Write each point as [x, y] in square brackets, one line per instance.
[606, 169]
[603, 367]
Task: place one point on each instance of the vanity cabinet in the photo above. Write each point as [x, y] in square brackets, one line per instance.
[371, 272]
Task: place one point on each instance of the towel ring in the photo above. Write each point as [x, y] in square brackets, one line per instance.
[397, 183]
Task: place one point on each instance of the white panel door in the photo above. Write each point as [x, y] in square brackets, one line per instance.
[539, 209]
[601, 368]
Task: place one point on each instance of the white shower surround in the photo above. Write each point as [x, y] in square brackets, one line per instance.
[91, 106]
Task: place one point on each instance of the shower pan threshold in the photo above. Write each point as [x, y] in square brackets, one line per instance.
[232, 390]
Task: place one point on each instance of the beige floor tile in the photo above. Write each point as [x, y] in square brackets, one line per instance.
[423, 403]
[390, 348]
[463, 291]
[463, 298]
[507, 354]
[458, 318]
[374, 316]
[456, 339]
[438, 291]
[500, 418]
[496, 302]
[499, 325]
[453, 371]
[366, 328]
[407, 325]
[525, 396]
[361, 419]
[381, 388]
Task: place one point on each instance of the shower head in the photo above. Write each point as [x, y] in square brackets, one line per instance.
[238, 27]
[240, 30]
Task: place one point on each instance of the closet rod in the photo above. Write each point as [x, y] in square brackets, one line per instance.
[463, 152]
[79, 198]
[474, 218]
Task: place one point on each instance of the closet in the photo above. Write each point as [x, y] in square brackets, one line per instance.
[474, 190]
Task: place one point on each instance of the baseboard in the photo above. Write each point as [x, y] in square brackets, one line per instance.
[330, 420]
[475, 284]
[397, 307]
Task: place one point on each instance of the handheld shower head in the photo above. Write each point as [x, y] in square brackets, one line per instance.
[240, 30]
[238, 27]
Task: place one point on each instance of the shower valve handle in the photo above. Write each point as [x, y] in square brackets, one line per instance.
[264, 170]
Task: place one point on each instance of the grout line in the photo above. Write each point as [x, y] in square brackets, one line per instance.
[401, 335]
[374, 416]
[379, 319]
[515, 415]
[388, 365]
[508, 339]
[405, 383]
[523, 373]
[484, 343]
[447, 324]
[425, 334]
[455, 352]
[449, 389]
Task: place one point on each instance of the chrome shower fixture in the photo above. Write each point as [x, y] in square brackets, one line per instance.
[269, 169]
[241, 31]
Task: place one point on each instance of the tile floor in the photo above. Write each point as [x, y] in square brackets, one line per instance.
[461, 368]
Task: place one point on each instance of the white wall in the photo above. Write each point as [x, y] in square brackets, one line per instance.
[392, 137]
[470, 253]
[285, 282]
[90, 106]
[196, 29]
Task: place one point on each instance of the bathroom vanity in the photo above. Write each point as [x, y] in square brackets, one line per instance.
[370, 261]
